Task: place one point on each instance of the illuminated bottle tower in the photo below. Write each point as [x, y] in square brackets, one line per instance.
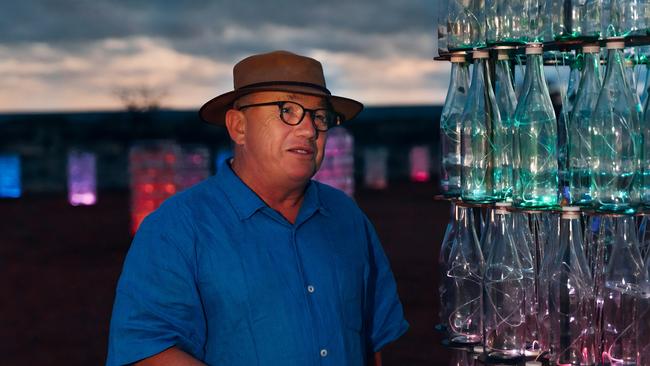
[535, 136]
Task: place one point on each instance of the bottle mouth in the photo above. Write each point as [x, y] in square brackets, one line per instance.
[459, 56]
[503, 55]
[570, 212]
[615, 45]
[534, 49]
[480, 54]
[591, 48]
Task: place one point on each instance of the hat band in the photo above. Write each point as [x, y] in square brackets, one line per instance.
[292, 83]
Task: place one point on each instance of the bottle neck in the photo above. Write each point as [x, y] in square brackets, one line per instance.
[615, 63]
[480, 71]
[459, 75]
[592, 65]
[535, 69]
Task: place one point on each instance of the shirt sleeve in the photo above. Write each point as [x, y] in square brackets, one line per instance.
[384, 314]
[157, 304]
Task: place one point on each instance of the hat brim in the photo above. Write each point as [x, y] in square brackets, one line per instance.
[214, 111]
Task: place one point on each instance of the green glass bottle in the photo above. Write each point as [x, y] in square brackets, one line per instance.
[477, 146]
[535, 137]
[616, 139]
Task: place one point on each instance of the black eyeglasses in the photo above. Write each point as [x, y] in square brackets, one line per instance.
[293, 113]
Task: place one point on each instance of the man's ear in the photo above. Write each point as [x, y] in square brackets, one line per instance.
[236, 125]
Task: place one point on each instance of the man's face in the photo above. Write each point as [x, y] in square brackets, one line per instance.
[276, 150]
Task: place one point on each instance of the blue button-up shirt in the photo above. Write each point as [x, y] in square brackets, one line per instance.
[221, 275]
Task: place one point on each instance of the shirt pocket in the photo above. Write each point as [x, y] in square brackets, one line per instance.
[351, 290]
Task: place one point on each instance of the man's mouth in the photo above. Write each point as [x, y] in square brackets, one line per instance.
[302, 150]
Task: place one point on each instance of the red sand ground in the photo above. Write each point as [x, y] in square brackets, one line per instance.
[59, 266]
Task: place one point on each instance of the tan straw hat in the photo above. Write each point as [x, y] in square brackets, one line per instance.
[277, 71]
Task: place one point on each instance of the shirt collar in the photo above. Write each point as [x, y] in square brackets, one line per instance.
[246, 202]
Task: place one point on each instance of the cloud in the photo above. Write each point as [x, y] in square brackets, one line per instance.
[39, 76]
[71, 54]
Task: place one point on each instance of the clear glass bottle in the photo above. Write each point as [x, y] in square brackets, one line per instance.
[631, 61]
[571, 295]
[503, 132]
[535, 161]
[451, 124]
[636, 17]
[625, 18]
[547, 243]
[575, 19]
[445, 283]
[579, 129]
[465, 269]
[624, 277]
[507, 22]
[504, 293]
[477, 146]
[575, 65]
[538, 21]
[646, 87]
[645, 162]
[465, 24]
[616, 139]
[643, 322]
[441, 27]
[524, 242]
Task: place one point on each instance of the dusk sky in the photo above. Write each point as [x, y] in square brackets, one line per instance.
[75, 54]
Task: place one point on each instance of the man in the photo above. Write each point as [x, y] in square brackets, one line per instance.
[259, 265]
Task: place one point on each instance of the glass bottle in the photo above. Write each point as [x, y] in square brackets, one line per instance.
[507, 22]
[631, 60]
[535, 160]
[645, 162]
[635, 17]
[445, 283]
[506, 101]
[547, 243]
[504, 293]
[575, 19]
[644, 60]
[643, 322]
[477, 146]
[538, 21]
[616, 139]
[524, 243]
[576, 66]
[441, 27]
[571, 295]
[579, 129]
[625, 18]
[623, 279]
[465, 24]
[450, 125]
[465, 269]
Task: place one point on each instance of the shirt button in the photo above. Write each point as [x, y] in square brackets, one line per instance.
[310, 288]
[323, 352]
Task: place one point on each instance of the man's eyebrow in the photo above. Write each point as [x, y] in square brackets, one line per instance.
[294, 98]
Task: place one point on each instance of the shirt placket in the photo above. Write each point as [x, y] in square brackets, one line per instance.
[311, 294]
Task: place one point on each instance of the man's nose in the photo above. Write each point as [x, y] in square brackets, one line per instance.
[306, 126]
